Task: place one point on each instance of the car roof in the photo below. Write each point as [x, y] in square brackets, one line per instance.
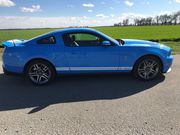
[72, 30]
[67, 30]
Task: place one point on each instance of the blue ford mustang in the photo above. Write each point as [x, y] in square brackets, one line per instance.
[81, 50]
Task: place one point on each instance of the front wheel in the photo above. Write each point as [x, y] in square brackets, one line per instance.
[40, 72]
[148, 68]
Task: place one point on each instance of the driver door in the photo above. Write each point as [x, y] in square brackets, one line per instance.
[85, 52]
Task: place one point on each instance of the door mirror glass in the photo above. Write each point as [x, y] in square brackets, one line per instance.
[106, 43]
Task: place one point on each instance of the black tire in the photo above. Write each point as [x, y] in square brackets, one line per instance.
[147, 72]
[40, 72]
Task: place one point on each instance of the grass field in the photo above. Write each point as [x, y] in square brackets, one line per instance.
[169, 35]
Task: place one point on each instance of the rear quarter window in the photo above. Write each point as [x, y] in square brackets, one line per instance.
[47, 40]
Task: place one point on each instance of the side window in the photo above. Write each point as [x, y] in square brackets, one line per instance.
[82, 39]
[47, 40]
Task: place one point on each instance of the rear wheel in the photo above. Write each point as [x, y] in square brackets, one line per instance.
[40, 72]
[148, 68]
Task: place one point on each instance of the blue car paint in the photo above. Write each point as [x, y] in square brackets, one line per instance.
[116, 58]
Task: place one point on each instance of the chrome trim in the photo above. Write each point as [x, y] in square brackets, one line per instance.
[91, 68]
[62, 68]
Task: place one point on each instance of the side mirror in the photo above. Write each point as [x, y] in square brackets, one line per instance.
[106, 43]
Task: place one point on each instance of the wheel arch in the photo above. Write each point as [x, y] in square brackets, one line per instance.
[42, 59]
[149, 55]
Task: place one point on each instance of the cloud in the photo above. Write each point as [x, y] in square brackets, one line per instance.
[15, 22]
[128, 3]
[85, 17]
[131, 16]
[111, 8]
[112, 15]
[88, 5]
[165, 12]
[34, 8]
[6, 3]
[101, 16]
[90, 11]
[178, 1]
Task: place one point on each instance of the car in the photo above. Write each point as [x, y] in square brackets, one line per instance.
[84, 50]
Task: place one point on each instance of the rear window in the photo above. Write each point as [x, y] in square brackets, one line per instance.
[47, 40]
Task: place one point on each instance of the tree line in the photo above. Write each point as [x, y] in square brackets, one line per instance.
[165, 19]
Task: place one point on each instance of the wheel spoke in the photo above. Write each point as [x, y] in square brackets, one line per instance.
[45, 69]
[45, 76]
[145, 63]
[36, 67]
[39, 79]
[153, 71]
[153, 64]
[141, 70]
[35, 78]
[146, 75]
[33, 74]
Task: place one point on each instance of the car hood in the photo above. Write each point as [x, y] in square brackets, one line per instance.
[133, 42]
[143, 43]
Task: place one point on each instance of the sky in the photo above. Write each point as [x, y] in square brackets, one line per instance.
[65, 13]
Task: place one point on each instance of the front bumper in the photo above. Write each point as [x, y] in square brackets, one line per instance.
[167, 64]
[169, 70]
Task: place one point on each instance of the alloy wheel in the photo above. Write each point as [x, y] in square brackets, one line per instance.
[148, 69]
[39, 73]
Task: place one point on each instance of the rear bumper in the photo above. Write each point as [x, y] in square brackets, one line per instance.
[13, 69]
[167, 64]
[6, 72]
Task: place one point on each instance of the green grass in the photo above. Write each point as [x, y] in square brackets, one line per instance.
[21, 34]
[143, 32]
[159, 33]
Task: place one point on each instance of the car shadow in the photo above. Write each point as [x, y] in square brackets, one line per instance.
[18, 93]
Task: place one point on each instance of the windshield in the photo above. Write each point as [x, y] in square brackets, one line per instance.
[109, 38]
